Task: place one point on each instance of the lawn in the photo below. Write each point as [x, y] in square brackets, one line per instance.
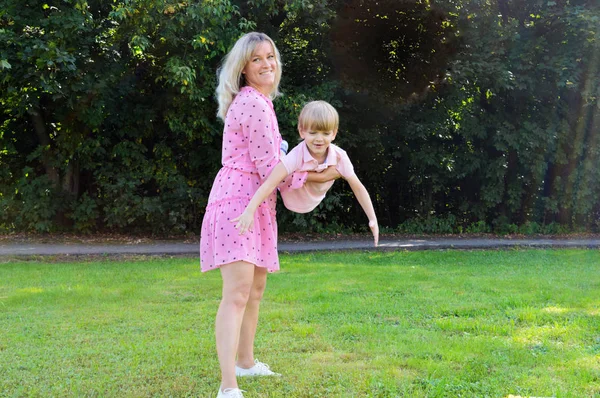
[355, 324]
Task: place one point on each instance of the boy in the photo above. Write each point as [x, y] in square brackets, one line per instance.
[317, 124]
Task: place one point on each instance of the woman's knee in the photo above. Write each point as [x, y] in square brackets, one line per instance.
[257, 292]
[238, 296]
[258, 287]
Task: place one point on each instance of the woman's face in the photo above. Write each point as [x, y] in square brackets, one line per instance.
[260, 70]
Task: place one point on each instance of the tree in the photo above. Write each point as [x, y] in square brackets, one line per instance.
[102, 102]
[455, 113]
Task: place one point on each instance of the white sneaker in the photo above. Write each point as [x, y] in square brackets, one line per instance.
[259, 369]
[230, 393]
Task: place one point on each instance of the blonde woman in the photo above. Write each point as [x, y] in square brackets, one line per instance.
[248, 82]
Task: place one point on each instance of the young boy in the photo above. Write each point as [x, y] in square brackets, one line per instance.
[317, 124]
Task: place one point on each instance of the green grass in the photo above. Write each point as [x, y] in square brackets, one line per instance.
[411, 324]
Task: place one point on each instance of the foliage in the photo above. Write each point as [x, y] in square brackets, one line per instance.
[431, 225]
[113, 103]
[456, 114]
[504, 130]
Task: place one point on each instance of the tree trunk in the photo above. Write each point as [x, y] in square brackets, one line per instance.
[42, 134]
[68, 185]
[70, 182]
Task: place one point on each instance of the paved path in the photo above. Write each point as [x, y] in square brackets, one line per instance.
[191, 249]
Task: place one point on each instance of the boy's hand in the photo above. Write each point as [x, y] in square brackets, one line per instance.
[375, 230]
[244, 222]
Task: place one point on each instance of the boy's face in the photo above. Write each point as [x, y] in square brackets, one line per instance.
[318, 141]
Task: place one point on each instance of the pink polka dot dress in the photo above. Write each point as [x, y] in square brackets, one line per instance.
[251, 142]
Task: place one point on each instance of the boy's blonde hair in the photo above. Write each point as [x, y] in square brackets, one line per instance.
[230, 76]
[318, 116]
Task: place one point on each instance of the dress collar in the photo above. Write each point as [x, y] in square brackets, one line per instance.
[250, 89]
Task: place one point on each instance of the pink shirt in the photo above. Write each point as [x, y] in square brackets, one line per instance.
[300, 196]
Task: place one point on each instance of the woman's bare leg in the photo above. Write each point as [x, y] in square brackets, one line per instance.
[245, 351]
[237, 284]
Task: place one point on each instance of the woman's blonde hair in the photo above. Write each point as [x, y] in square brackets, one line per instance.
[230, 76]
[318, 116]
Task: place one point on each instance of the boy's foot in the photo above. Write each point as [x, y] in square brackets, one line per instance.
[230, 393]
[259, 369]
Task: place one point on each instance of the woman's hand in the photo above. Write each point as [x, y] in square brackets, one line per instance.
[329, 174]
[244, 222]
[375, 230]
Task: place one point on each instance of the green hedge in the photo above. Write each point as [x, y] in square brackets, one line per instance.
[465, 116]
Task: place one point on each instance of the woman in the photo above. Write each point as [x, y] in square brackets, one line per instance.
[248, 81]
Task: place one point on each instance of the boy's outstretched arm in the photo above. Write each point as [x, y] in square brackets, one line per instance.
[365, 201]
[246, 219]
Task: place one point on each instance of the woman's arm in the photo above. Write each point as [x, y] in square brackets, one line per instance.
[331, 173]
[365, 201]
[246, 219]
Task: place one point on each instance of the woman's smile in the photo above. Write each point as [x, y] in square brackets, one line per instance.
[260, 70]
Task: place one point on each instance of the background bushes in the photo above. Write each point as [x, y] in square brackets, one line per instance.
[459, 116]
